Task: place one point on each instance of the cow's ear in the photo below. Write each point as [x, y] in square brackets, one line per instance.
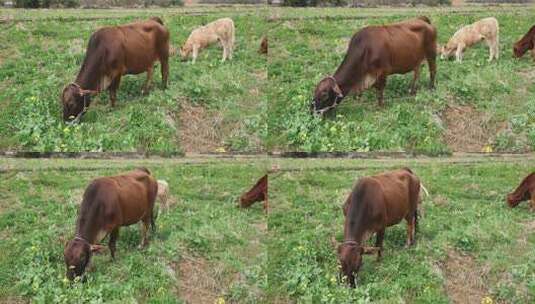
[337, 90]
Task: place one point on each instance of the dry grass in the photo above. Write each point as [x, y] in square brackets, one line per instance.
[198, 283]
[467, 129]
[200, 131]
[465, 279]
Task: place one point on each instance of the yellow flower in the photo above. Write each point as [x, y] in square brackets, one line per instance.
[220, 150]
[487, 149]
[220, 301]
[487, 300]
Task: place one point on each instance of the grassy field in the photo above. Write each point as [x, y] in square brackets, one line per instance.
[469, 246]
[205, 249]
[476, 104]
[207, 106]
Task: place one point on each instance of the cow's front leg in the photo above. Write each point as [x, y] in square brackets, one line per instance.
[113, 90]
[380, 88]
[113, 240]
[146, 86]
[379, 243]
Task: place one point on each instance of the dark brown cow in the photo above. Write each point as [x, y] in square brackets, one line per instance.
[263, 46]
[111, 53]
[375, 203]
[258, 193]
[374, 53]
[108, 204]
[526, 43]
[525, 191]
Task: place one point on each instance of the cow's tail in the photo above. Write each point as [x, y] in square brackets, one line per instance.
[157, 19]
[425, 18]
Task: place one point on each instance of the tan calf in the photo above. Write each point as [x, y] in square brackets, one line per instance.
[221, 30]
[485, 29]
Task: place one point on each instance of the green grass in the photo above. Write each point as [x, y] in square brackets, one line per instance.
[39, 57]
[465, 214]
[39, 202]
[309, 47]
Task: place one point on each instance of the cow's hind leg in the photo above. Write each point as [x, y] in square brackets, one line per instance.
[144, 228]
[380, 88]
[411, 228]
[114, 85]
[146, 86]
[415, 80]
[113, 240]
[164, 62]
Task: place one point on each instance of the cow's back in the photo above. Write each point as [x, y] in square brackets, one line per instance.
[400, 189]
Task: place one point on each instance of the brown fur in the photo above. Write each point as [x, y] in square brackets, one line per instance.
[108, 204]
[258, 193]
[524, 191]
[111, 53]
[374, 53]
[377, 202]
[525, 43]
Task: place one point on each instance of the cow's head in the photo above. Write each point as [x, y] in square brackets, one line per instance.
[521, 47]
[326, 96]
[447, 51]
[513, 199]
[350, 256]
[77, 254]
[75, 102]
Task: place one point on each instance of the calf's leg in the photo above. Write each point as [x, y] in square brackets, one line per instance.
[459, 52]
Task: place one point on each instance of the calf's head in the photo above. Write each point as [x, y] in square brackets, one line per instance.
[447, 51]
[74, 101]
[185, 51]
[520, 48]
[77, 254]
[326, 96]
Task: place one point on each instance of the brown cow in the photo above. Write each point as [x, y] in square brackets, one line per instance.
[526, 43]
[109, 203]
[375, 203]
[263, 46]
[258, 193]
[374, 53]
[111, 53]
[525, 191]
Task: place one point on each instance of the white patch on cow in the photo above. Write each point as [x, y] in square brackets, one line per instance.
[105, 81]
[100, 236]
[368, 81]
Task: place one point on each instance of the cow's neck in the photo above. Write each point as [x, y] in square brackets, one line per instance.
[353, 228]
[346, 78]
[86, 231]
[90, 74]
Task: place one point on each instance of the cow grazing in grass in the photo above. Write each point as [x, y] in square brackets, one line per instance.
[525, 43]
[109, 203]
[374, 53]
[221, 30]
[258, 193]
[525, 191]
[111, 53]
[485, 29]
[263, 46]
[376, 203]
